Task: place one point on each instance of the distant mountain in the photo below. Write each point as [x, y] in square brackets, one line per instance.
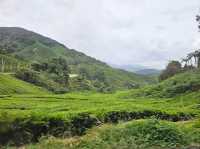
[138, 69]
[30, 47]
[148, 72]
[131, 68]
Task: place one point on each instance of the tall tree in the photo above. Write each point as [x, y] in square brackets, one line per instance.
[198, 57]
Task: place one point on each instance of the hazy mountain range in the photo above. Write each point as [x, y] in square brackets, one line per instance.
[138, 69]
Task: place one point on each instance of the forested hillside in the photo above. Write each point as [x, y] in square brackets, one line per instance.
[20, 49]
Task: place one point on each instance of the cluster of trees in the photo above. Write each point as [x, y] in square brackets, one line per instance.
[7, 65]
[192, 61]
[57, 66]
[53, 75]
[175, 67]
[7, 48]
[93, 81]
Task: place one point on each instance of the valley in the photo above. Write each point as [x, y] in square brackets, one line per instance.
[28, 116]
[58, 98]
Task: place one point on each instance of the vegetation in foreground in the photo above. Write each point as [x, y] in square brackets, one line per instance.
[140, 134]
[26, 118]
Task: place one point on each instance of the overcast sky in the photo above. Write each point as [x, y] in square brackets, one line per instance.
[144, 32]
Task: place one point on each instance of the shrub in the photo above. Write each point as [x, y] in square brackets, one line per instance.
[140, 134]
[27, 75]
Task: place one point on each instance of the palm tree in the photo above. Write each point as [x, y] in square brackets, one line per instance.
[192, 56]
[196, 56]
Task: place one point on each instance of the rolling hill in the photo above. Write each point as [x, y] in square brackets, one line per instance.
[183, 83]
[31, 47]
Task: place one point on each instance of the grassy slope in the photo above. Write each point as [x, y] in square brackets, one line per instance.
[180, 84]
[11, 85]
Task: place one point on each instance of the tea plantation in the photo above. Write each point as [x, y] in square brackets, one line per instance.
[34, 118]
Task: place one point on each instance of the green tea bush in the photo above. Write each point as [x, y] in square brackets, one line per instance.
[24, 131]
[142, 134]
[117, 116]
[179, 84]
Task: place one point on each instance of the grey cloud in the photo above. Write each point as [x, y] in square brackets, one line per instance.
[147, 32]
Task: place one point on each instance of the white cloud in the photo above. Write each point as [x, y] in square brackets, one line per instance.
[148, 32]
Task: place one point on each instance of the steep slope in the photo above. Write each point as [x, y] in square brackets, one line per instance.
[11, 85]
[32, 47]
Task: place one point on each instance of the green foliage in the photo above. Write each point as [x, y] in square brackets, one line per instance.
[80, 83]
[53, 75]
[23, 131]
[28, 75]
[179, 84]
[11, 64]
[58, 67]
[71, 114]
[140, 134]
[11, 85]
